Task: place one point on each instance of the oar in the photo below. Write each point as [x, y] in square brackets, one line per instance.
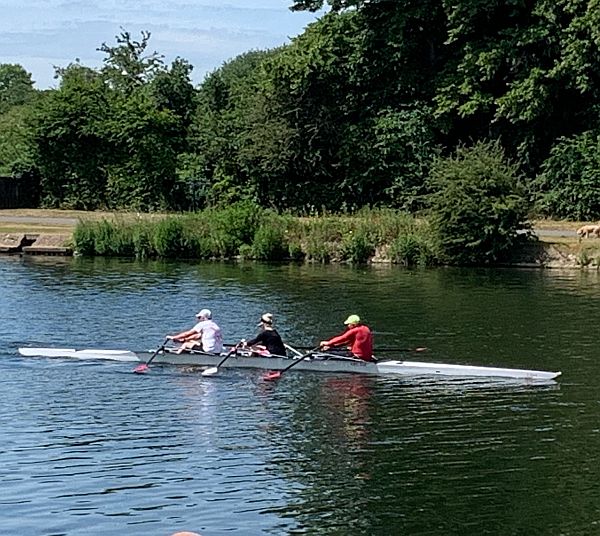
[140, 369]
[376, 350]
[214, 370]
[276, 374]
[293, 350]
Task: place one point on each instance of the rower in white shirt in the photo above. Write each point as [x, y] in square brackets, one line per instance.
[205, 335]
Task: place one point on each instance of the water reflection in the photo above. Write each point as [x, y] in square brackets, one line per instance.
[372, 454]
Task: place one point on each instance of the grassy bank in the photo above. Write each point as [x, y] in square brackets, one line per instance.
[249, 232]
[376, 235]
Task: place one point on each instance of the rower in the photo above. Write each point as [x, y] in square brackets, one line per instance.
[358, 339]
[205, 335]
[268, 338]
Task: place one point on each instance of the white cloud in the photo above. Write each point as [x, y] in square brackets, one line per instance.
[45, 33]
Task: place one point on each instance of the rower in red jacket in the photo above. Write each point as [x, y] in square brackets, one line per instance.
[358, 339]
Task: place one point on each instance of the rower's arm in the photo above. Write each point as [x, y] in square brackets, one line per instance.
[257, 339]
[190, 334]
[345, 338]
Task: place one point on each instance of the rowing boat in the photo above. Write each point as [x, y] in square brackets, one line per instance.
[320, 362]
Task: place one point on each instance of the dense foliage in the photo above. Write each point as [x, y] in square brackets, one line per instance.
[570, 180]
[478, 207]
[352, 113]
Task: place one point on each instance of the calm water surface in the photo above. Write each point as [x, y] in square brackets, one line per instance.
[88, 448]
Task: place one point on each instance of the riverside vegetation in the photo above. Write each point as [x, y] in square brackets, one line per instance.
[474, 218]
[250, 232]
[467, 117]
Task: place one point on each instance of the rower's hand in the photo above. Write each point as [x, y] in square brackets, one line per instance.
[170, 337]
[323, 345]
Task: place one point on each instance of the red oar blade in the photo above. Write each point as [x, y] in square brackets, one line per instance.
[141, 369]
[272, 375]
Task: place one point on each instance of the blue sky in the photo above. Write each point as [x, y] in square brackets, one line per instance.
[41, 34]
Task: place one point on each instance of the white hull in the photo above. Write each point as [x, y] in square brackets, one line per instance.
[318, 363]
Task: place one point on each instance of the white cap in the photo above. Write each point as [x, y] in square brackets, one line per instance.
[205, 313]
[267, 318]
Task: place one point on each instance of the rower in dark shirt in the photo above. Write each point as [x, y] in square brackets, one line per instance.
[268, 337]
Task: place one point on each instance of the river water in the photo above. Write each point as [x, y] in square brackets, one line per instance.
[88, 448]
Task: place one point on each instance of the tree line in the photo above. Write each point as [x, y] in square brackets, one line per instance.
[364, 108]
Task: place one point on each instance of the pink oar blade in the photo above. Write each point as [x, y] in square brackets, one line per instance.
[141, 369]
[271, 376]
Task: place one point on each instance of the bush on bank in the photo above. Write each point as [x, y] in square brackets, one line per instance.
[478, 206]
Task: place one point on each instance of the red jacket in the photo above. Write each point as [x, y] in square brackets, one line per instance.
[359, 340]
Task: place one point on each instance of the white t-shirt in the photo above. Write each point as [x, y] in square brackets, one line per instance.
[212, 340]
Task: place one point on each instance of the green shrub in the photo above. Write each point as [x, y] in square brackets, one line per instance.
[113, 239]
[276, 237]
[385, 224]
[357, 247]
[412, 250]
[246, 251]
[295, 251]
[168, 238]
[233, 226]
[270, 242]
[317, 250]
[84, 238]
[478, 206]
[142, 241]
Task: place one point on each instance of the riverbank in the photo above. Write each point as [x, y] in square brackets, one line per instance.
[46, 231]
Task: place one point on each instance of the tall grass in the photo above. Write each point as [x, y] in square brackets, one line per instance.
[250, 232]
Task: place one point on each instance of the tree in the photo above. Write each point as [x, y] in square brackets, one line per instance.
[336, 5]
[172, 89]
[150, 111]
[569, 182]
[232, 131]
[525, 72]
[16, 86]
[127, 65]
[15, 139]
[146, 139]
[402, 153]
[72, 151]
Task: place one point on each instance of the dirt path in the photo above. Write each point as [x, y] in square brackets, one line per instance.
[53, 221]
[66, 220]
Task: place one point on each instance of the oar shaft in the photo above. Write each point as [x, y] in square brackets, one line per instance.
[158, 350]
[229, 354]
[144, 366]
[375, 350]
[300, 359]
